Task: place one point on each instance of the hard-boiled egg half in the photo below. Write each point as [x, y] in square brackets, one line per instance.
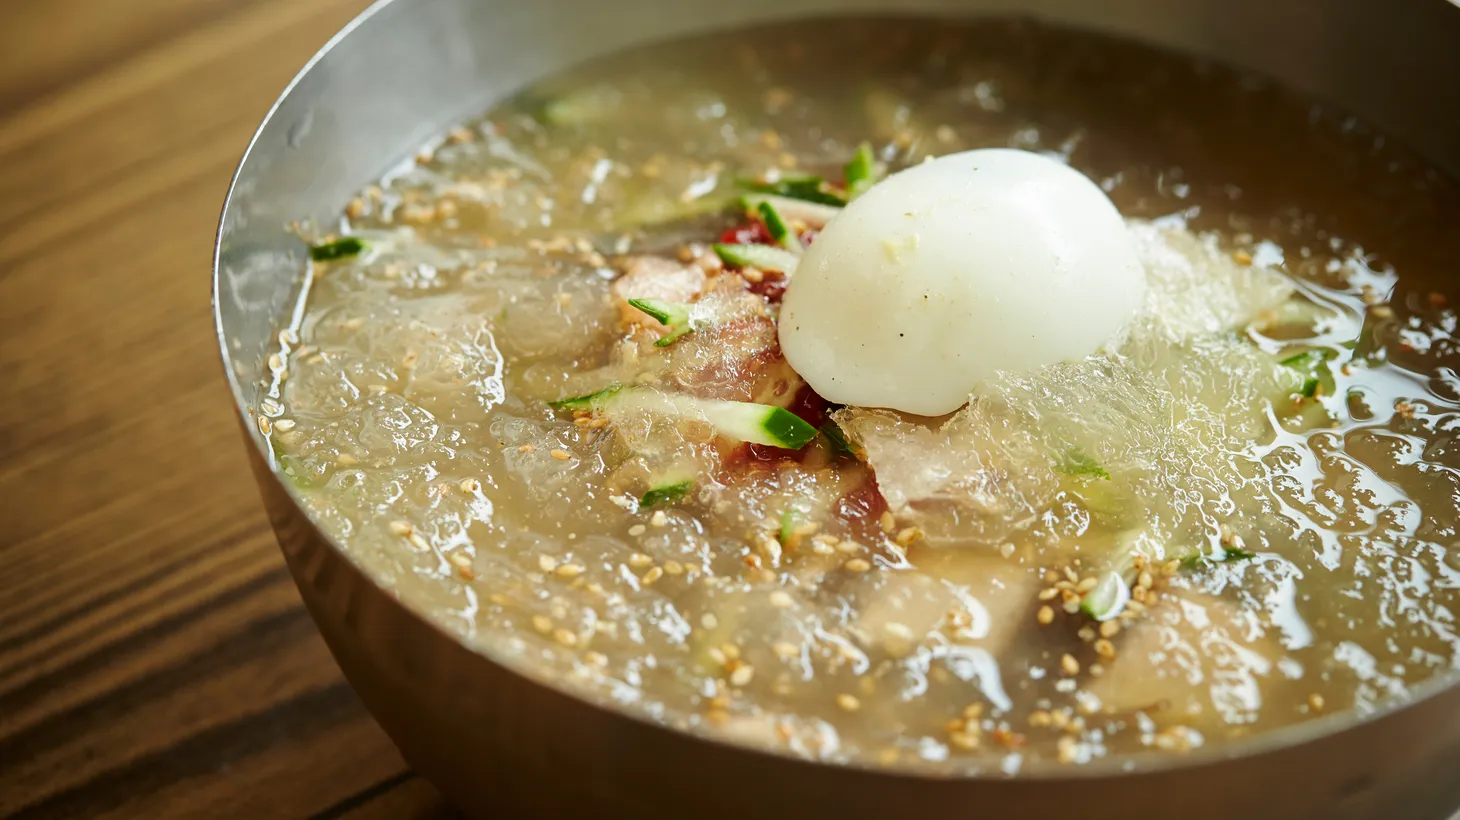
[953, 270]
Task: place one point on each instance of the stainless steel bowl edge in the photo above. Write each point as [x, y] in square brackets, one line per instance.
[497, 742]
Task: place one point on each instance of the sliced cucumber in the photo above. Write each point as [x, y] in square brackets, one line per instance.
[1078, 463]
[591, 401]
[338, 249]
[806, 189]
[812, 214]
[672, 315]
[838, 439]
[861, 172]
[652, 209]
[1112, 590]
[1229, 555]
[788, 525]
[1108, 597]
[779, 230]
[758, 256]
[1311, 364]
[742, 421]
[580, 107]
[666, 492]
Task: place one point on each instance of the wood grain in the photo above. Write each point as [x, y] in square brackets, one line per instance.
[155, 660]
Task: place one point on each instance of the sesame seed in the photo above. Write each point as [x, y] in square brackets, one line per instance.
[1145, 581]
[848, 702]
[674, 567]
[1086, 585]
[346, 460]
[1068, 749]
[742, 675]
[1242, 257]
[639, 560]
[637, 530]
[709, 621]
[1069, 666]
[1315, 702]
[857, 565]
[418, 542]
[781, 600]
[973, 711]
[1109, 629]
[1045, 615]
[547, 563]
[561, 455]
[887, 521]
[963, 741]
[401, 528]
[1096, 670]
[569, 570]
[266, 425]
[470, 485]
[1048, 594]
[1105, 649]
[595, 659]
[527, 448]
[658, 519]
[654, 574]
[908, 535]
[1086, 634]
[1039, 718]
[542, 623]
[1007, 550]
[461, 560]
[784, 650]
[566, 637]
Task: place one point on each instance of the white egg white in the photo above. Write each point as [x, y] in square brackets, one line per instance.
[953, 270]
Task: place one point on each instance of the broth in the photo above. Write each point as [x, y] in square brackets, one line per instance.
[1281, 523]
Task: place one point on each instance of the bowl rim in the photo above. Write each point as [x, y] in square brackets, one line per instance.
[1280, 739]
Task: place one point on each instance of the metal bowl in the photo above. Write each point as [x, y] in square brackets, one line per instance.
[499, 743]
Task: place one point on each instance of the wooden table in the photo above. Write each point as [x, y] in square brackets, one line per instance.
[155, 660]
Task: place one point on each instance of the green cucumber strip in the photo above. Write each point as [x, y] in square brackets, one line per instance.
[779, 231]
[1310, 363]
[1076, 462]
[338, 249]
[591, 401]
[666, 493]
[813, 215]
[672, 315]
[579, 107]
[838, 439]
[738, 420]
[1229, 555]
[788, 525]
[861, 172]
[764, 257]
[807, 189]
[651, 210]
